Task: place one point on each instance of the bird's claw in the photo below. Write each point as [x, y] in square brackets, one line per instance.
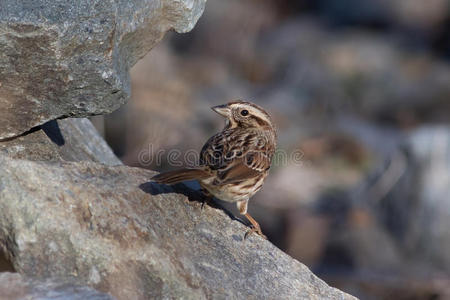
[203, 205]
[256, 230]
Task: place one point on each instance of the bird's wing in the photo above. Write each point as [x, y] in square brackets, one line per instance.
[236, 172]
[236, 155]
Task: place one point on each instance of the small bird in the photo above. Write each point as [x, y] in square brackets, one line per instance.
[234, 162]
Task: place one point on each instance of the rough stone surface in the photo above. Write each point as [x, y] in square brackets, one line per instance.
[68, 139]
[110, 228]
[13, 286]
[71, 58]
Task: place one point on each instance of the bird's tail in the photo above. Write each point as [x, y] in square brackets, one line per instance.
[177, 176]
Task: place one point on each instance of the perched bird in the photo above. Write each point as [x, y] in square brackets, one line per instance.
[234, 162]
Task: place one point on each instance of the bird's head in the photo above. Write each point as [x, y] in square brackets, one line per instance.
[244, 114]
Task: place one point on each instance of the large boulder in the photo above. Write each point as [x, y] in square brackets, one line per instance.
[112, 229]
[71, 58]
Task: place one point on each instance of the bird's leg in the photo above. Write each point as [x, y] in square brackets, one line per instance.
[242, 206]
[207, 198]
[255, 227]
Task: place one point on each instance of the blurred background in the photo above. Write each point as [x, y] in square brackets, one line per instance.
[359, 90]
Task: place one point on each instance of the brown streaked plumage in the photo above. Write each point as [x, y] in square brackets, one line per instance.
[235, 161]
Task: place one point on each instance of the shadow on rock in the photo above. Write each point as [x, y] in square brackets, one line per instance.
[53, 132]
[193, 195]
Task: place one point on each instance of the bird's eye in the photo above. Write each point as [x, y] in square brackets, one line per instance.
[244, 112]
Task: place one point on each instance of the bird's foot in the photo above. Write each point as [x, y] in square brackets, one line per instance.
[255, 229]
[206, 198]
[206, 201]
[203, 204]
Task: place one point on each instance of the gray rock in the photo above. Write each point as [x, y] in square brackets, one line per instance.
[406, 216]
[14, 286]
[71, 58]
[112, 229]
[419, 204]
[69, 139]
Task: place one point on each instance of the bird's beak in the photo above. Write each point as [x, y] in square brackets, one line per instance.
[222, 110]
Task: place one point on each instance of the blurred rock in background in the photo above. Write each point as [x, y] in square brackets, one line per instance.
[360, 93]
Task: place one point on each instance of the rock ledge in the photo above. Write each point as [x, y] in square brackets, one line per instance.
[112, 229]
